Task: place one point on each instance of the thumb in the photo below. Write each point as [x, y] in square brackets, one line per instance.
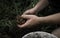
[26, 16]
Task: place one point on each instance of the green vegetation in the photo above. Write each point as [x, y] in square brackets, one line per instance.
[9, 9]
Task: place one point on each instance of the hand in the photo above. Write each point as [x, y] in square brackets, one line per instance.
[31, 21]
[30, 11]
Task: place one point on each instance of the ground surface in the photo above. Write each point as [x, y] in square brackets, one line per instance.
[9, 9]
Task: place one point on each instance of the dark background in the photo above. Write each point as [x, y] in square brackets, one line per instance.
[9, 9]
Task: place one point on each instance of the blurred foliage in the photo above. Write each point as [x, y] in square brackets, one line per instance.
[9, 9]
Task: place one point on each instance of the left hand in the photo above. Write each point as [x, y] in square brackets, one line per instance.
[31, 21]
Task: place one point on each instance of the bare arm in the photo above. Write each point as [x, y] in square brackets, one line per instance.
[33, 20]
[55, 18]
[41, 5]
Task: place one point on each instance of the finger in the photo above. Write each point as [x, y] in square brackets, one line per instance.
[27, 24]
[25, 13]
[28, 13]
[26, 16]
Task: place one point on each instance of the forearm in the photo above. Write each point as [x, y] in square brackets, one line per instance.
[55, 18]
[40, 5]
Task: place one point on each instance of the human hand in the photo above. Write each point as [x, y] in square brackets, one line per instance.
[31, 21]
[30, 11]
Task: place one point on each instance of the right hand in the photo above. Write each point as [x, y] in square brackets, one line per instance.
[32, 20]
[29, 12]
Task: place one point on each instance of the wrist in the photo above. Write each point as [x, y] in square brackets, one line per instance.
[43, 20]
[36, 9]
